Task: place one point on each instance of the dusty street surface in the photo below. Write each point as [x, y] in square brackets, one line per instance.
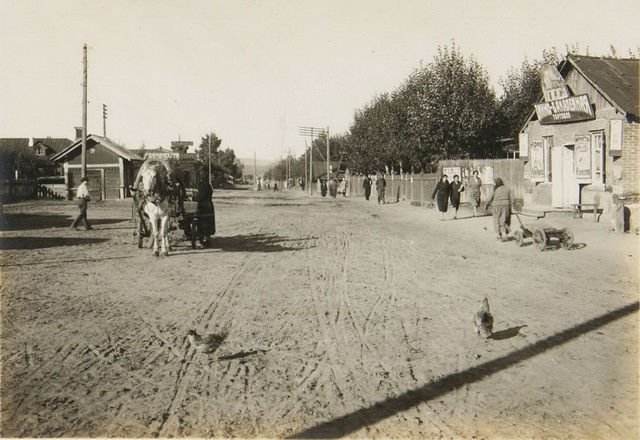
[343, 318]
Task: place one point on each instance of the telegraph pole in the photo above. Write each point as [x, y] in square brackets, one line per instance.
[327, 153]
[84, 112]
[311, 131]
[104, 120]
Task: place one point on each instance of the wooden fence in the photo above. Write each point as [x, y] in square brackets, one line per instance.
[12, 190]
[418, 188]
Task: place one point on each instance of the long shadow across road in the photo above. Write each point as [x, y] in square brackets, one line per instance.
[350, 423]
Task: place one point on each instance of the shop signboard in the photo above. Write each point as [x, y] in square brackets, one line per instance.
[536, 155]
[571, 109]
[582, 154]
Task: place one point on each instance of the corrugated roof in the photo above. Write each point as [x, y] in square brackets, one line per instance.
[617, 79]
[6, 143]
[106, 142]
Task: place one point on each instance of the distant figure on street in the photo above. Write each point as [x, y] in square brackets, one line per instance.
[456, 188]
[367, 186]
[381, 185]
[275, 187]
[333, 187]
[443, 191]
[323, 188]
[474, 186]
[342, 188]
[83, 199]
[502, 201]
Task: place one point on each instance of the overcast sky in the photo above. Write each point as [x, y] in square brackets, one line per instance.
[254, 72]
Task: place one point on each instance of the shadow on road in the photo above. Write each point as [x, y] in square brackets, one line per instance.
[12, 243]
[258, 243]
[350, 423]
[25, 222]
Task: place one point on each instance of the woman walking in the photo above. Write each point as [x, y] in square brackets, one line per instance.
[502, 201]
[443, 191]
[456, 188]
[474, 186]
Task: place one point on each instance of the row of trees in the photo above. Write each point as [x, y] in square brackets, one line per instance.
[446, 109]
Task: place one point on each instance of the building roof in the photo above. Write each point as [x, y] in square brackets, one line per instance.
[55, 144]
[106, 142]
[617, 79]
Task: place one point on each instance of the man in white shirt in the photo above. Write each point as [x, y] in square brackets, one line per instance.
[83, 198]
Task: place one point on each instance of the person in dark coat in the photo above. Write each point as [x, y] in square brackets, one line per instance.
[443, 191]
[367, 187]
[381, 185]
[323, 188]
[206, 214]
[456, 188]
[502, 201]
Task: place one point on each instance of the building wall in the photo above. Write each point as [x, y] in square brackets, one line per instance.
[629, 162]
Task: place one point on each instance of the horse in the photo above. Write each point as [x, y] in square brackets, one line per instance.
[155, 202]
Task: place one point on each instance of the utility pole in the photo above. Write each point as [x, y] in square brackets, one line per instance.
[104, 120]
[311, 131]
[84, 112]
[327, 153]
[306, 180]
[210, 161]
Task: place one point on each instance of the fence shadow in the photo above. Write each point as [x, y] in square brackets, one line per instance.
[30, 243]
[258, 243]
[350, 423]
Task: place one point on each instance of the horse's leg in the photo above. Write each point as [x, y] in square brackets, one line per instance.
[155, 233]
[164, 224]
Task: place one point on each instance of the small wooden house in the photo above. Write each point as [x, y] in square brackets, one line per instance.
[111, 168]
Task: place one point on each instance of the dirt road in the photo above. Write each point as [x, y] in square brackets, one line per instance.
[343, 318]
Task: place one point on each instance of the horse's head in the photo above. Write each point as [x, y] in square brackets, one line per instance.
[154, 182]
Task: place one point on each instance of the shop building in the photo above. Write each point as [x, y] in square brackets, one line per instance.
[581, 144]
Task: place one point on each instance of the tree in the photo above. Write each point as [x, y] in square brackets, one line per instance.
[17, 158]
[207, 154]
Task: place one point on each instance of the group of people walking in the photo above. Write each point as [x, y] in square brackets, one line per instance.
[381, 185]
[445, 193]
[501, 200]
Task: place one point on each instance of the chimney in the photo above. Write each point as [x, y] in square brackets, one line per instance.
[78, 133]
[31, 142]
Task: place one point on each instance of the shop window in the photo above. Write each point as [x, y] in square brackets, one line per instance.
[597, 148]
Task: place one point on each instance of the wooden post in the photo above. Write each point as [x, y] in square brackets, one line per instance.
[84, 112]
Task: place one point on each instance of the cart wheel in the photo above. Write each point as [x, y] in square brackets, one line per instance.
[194, 234]
[567, 238]
[518, 237]
[540, 239]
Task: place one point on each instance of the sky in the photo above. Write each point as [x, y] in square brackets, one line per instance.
[254, 72]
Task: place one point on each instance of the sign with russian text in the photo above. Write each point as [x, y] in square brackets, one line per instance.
[582, 156]
[553, 85]
[536, 155]
[572, 109]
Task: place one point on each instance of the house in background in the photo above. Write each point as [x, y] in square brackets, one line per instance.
[43, 149]
[581, 144]
[111, 168]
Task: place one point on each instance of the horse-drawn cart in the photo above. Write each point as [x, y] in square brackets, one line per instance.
[542, 235]
[192, 224]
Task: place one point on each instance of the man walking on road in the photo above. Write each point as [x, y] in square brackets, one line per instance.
[83, 198]
[381, 184]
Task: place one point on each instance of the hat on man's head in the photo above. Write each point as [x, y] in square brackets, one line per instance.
[84, 179]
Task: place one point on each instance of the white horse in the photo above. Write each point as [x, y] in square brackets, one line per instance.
[154, 201]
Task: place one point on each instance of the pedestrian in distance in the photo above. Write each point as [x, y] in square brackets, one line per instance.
[366, 185]
[474, 186]
[443, 192]
[502, 201]
[83, 199]
[275, 187]
[333, 187]
[323, 188]
[456, 188]
[381, 185]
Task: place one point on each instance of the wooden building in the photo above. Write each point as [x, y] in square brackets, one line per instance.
[581, 144]
[111, 168]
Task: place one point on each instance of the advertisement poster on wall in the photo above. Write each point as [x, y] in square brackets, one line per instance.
[451, 171]
[583, 157]
[536, 155]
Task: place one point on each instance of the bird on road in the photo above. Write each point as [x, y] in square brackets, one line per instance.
[483, 320]
[206, 343]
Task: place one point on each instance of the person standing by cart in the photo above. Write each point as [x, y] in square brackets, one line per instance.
[501, 200]
[206, 214]
[83, 198]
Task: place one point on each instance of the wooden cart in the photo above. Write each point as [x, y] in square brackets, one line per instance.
[542, 235]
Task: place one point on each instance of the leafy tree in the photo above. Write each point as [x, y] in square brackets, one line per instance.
[20, 159]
